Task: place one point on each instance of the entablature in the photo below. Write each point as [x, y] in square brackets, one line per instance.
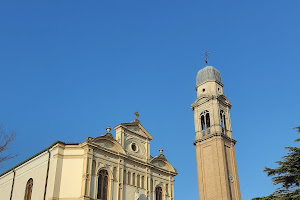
[207, 137]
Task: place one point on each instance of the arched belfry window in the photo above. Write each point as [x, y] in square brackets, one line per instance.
[158, 193]
[205, 120]
[102, 185]
[28, 190]
[223, 121]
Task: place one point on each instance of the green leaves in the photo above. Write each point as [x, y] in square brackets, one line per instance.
[287, 174]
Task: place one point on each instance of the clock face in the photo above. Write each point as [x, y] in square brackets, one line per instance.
[231, 179]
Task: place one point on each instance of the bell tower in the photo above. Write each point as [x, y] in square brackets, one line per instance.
[215, 154]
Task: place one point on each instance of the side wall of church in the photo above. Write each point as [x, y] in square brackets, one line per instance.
[64, 176]
[36, 169]
[6, 184]
[54, 175]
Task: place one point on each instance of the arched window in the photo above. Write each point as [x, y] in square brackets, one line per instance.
[28, 190]
[205, 120]
[223, 121]
[102, 185]
[202, 122]
[158, 193]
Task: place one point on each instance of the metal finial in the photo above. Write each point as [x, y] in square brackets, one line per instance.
[137, 115]
[206, 56]
[108, 129]
[161, 150]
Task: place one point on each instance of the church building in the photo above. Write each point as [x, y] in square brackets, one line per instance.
[215, 154]
[121, 168]
[100, 168]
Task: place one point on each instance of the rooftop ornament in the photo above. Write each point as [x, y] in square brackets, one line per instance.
[136, 116]
[206, 56]
[108, 129]
[161, 150]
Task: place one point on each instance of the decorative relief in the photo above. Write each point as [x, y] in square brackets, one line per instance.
[106, 144]
[133, 145]
[159, 164]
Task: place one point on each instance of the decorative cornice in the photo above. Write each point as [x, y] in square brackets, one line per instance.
[214, 135]
[58, 143]
[222, 98]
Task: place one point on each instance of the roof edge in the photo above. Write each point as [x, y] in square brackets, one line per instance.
[35, 155]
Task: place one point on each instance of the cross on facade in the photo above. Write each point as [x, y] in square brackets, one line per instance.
[137, 115]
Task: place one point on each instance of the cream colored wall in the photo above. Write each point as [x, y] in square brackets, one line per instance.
[6, 185]
[36, 169]
[73, 176]
[64, 179]
[126, 191]
[210, 87]
[54, 175]
[71, 173]
[213, 106]
[129, 192]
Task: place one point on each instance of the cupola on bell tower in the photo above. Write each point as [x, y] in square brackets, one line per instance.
[216, 162]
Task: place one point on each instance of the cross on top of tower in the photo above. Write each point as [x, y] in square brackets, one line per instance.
[206, 56]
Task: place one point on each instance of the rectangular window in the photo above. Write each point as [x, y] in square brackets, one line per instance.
[129, 178]
[133, 179]
[167, 189]
[138, 181]
[143, 182]
[124, 177]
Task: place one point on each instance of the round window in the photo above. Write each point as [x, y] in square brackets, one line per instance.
[134, 147]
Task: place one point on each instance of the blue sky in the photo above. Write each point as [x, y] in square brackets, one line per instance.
[70, 68]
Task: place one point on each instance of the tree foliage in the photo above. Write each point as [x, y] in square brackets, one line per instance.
[5, 140]
[287, 174]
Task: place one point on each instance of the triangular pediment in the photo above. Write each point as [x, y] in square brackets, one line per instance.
[160, 161]
[106, 141]
[137, 128]
[202, 99]
[205, 98]
[222, 98]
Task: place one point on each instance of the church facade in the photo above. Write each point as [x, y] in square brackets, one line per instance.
[101, 168]
[215, 152]
[121, 168]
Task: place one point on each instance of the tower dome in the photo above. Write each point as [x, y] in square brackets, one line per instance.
[208, 73]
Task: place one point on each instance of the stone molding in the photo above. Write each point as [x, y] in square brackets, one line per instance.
[207, 137]
[206, 98]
